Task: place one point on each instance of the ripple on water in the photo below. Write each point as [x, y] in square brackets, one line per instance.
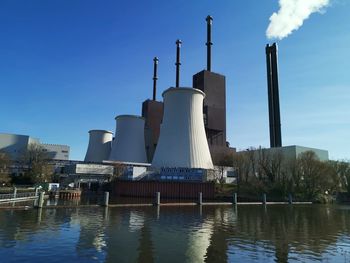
[176, 234]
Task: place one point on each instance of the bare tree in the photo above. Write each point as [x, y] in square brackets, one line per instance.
[340, 173]
[118, 170]
[5, 163]
[221, 161]
[315, 174]
[36, 165]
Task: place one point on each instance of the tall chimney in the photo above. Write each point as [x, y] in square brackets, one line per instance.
[209, 20]
[155, 60]
[178, 46]
[273, 95]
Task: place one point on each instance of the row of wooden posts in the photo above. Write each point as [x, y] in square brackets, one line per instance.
[39, 202]
[200, 199]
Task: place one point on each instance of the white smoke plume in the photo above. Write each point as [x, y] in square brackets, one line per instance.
[291, 16]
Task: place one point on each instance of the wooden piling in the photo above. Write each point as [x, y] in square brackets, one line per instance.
[106, 199]
[157, 198]
[234, 198]
[200, 198]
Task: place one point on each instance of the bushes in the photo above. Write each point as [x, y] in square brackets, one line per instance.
[306, 177]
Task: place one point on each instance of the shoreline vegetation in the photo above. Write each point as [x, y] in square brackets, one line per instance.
[305, 178]
[258, 172]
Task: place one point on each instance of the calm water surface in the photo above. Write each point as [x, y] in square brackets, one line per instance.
[312, 233]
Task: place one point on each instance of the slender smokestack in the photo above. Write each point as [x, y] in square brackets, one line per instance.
[276, 97]
[209, 20]
[155, 60]
[270, 95]
[273, 95]
[178, 46]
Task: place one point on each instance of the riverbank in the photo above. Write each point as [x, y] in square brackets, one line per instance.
[25, 207]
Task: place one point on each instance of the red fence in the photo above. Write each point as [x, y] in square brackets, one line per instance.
[179, 190]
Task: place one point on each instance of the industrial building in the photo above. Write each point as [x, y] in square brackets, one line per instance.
[290, 152]
[214, 106]
[181, 137]
[16, 145]
[85, 175]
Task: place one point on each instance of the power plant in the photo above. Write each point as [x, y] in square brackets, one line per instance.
[183, 136]
[180, 137]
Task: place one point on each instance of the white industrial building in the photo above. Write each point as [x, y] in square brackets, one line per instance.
[289, 152]
[15, 146]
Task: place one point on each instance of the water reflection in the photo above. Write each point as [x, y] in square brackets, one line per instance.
[177, 234]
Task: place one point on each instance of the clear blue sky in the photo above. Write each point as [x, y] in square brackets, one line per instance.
[70, 66]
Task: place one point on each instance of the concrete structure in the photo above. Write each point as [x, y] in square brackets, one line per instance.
[129, 142]
[100, 144]
[152, 111]
[16, 145]
[182, 142]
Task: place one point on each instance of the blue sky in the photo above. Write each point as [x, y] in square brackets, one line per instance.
[67, 67]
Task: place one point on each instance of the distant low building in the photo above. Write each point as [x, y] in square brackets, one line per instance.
[293, 151]
[15, 145]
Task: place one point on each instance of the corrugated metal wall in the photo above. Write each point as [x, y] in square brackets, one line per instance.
[179, 190]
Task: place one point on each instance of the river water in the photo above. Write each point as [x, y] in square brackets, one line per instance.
[247, 233]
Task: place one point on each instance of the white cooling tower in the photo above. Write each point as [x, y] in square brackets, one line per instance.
[182, 141]
[100, 143]
[129, 142]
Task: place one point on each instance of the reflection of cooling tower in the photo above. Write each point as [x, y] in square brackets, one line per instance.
[182, 141]
[99, 148]
[129, 142]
